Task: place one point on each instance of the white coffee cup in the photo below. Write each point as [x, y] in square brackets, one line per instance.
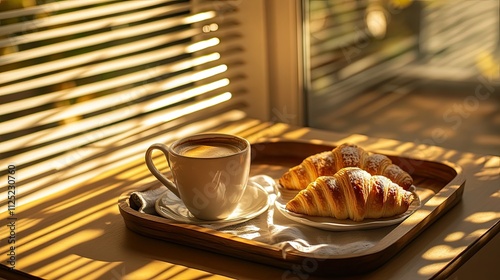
[210, 172]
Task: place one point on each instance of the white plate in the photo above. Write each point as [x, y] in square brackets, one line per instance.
[332, 224]
[254, 202]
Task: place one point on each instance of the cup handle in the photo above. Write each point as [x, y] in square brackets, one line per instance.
[152, 168]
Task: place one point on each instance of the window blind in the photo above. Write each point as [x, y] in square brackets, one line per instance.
[348, 50]
[79, 77]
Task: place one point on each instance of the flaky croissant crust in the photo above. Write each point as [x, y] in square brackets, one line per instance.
[346, 155]
[352, 193]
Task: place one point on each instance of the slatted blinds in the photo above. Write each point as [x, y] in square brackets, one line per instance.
[349, 50]
[81, 79]
[391, 47]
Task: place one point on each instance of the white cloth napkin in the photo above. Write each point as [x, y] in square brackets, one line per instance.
[271, 227]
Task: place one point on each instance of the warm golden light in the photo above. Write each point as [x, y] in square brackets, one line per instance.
[67, 268]
[476, 234]
[483, 217]
[296, 134]
[417, 216]
[202, 45]
[150, 271]
[214, 27]
[62, 265]
[195, 61]
[442, 252]
[245, 129]
[436, 201]
[400, 3]
[210, 27]
[455, 236]
[376, 23]
[93, 270]
[209, 72]
[53, 188]
[61, 245]
[488, 64]
[189, 109]
[89, 195]
[118, 114]
[431, 269]
[172, 99]
[197, 76]
[491, 170]
[199, 17]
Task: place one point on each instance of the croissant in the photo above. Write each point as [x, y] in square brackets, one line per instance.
[352, 193]
[346, 155]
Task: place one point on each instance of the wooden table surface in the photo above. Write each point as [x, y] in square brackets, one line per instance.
[72, 229]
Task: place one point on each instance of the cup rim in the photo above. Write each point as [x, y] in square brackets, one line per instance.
[209, 134]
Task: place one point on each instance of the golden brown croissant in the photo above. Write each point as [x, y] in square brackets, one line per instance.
[352, 193]
[345, 155]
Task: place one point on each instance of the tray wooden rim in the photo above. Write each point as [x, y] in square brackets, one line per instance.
[210, 239]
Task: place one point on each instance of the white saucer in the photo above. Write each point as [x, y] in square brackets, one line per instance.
[254, 202]
[332, 224]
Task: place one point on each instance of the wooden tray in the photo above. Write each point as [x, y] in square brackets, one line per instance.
[441, 183]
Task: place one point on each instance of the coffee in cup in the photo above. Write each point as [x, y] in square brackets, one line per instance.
[210, 172]
[208, 148]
